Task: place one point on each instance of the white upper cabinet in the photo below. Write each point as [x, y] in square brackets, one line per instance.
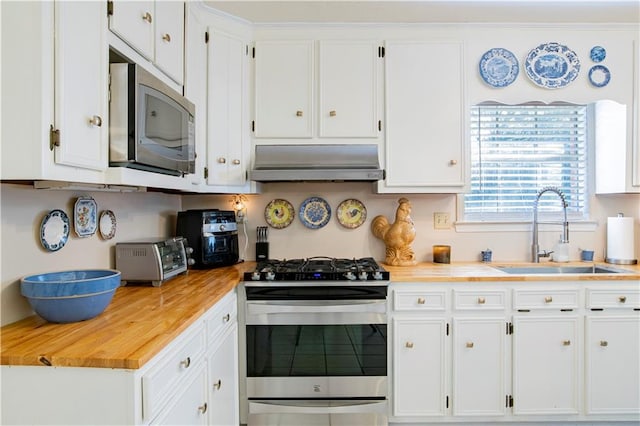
[348, 104]
[284, 89]
[345, 75]
[155, 30]
[425, 120]
[54, 83]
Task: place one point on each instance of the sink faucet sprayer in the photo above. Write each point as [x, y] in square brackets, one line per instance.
[535, 253]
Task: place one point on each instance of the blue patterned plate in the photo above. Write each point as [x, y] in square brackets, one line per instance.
[54, 230]
[598, 53]
[552, 65]
[85, 216]
[498, 67]
[314, 212]
[599, 75]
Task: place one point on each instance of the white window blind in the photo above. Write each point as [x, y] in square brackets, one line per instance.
[516, 150]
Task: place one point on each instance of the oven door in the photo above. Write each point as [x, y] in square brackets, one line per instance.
[316, 349]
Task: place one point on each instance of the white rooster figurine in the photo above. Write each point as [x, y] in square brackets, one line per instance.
[397, 236]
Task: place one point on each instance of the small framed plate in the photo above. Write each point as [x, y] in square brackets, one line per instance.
[54, 230]
[107, 225]
[314, 212]
[279, 213]
[498, 67]
[599, 76]
[85, 217]
[552, 65]
[351, 213]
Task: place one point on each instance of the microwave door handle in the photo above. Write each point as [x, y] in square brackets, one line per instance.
[264, 307]
[317, 407]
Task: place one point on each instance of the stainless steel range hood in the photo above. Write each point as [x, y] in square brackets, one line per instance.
[285, 163]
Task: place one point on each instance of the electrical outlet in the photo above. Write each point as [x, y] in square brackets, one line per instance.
[441, 221]
[241, 215]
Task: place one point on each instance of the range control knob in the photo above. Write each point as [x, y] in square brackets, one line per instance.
[362, 276]
[377, 275]
[255, 276]
[350, 276]
[270, 276]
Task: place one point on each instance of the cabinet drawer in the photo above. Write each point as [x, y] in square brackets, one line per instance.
[600, 299]
[479, 300]
[163, 378]
[221, 316]
[419, 300]
[545, 299]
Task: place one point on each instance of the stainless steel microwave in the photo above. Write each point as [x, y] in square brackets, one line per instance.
[151, 126]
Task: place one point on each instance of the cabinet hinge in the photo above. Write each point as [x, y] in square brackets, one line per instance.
[447, 401]
[206, 37]
[508, 401]
[447, 329]
[109, 8]
[509, 328]
[253, 52]
[54, 137]
[253, 125]
[381, 52]
[379, 125]
[206, 173]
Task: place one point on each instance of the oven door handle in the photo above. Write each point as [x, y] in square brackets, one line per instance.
[317, 407]
[310, 306]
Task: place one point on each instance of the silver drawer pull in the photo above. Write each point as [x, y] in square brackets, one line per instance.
[421, 300]
[408, 345]
[481, 300]
[548, 299]
[186, 362]
[218, 384]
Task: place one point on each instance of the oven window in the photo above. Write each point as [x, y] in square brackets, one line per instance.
[316, 350]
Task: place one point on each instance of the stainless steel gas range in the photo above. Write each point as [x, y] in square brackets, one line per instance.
[315, 342]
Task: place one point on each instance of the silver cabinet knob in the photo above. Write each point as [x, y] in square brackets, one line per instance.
[408, 345]
[469, 344]
[548, 299]
[481, 300]
[226, 318]
[96, 120]
[147, 17]
[453, 162]
[203, 408]
[298, 113]
[236, 162]
[566, 342]
[421, 300]
[167, 38]
[222, 160]
[622, 299]
[186, 362]
[604, 343]
[332, 113]
[218, 384]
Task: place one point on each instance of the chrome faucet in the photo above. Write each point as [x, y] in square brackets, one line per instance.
[535, 249]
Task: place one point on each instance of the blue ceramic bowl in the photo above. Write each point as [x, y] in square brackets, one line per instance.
[70, 296]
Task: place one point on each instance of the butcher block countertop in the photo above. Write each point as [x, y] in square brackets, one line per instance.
[142, 320]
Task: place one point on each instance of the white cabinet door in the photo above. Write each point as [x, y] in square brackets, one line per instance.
[284, 89]
[190, 406]
[133, 21]
[546, 360]
[227, 153]
[425, 122]
[419, 367]
[348, 104]
[612, 368]
[195, 84]
[479, 366]
[81, 86]
[169, 39]
[223, 381]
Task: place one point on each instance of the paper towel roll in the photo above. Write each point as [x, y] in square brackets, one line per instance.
[620, 240]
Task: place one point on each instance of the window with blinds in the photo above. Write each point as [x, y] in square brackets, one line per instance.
[516, 150]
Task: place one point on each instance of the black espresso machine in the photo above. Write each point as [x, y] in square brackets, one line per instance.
[212, 234]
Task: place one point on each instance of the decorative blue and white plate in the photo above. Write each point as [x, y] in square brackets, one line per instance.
[552, 65]
[314, 212]
[498, 67]
[54, 230]
[85, 217]
[599, 75]
[598, 53]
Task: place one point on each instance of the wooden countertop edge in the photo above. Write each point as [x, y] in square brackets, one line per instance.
[141, 320]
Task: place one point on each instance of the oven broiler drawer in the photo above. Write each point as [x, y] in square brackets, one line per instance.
[318, 412]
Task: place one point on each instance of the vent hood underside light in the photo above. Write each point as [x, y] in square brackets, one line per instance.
[287, 163]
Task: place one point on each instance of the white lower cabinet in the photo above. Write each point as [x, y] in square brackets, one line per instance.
[507, 352]
[193, 381]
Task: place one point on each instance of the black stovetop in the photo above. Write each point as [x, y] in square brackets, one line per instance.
[318, 269]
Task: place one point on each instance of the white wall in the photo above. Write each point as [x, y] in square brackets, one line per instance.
[22, 208]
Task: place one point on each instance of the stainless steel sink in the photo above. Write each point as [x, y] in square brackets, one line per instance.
[526, 270]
